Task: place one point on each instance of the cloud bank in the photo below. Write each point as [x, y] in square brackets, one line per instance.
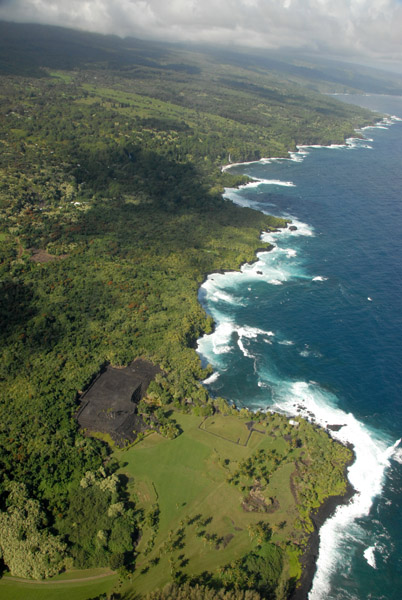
[370, 29]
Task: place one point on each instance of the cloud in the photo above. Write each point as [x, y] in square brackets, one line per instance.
[346, 28]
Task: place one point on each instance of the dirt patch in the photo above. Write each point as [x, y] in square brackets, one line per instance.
[293, 486]
[255, 501]
[273, 505]
[41, 256]
[227, 539]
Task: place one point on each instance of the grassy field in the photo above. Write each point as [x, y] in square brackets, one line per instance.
[229, 428]
[202, 493]
[203, 524]
[61, 588]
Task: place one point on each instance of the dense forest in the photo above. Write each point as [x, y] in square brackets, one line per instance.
[111, 216]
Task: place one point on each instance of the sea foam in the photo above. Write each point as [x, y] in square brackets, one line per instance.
[373, 450]
[220, 295]
[274, 182]
[290, 253]
[212, 378]
[221, 337]
[221, 341]
[397, 456]
[233, 195]
[366, 474]
[370, 556]
[250, 333]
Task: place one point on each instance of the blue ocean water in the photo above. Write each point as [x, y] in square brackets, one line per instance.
[315, 328]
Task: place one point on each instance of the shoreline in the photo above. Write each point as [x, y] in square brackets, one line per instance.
[378, 122]
[319, 517]
[310, 558]
[327, 509]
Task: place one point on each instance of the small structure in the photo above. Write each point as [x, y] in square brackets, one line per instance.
[109, 405]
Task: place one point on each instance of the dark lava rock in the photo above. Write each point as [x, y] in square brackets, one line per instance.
[335, 427]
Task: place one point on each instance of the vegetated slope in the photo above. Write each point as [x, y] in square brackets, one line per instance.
[318, 73]
[258, 103]
[26, 49]
[111, 216]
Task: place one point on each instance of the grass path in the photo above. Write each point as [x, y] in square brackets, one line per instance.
[56, 582]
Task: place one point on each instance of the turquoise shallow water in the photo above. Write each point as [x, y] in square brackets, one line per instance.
[315, 327]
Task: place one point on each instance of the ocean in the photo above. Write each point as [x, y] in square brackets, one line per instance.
[314, 327]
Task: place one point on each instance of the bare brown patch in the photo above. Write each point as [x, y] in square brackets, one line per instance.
[255, 501]
[227, 539]
[41, 256]
[293, 488]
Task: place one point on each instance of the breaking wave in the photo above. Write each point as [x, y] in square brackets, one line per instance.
[232, 341]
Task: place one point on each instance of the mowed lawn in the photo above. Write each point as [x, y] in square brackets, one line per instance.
[187, 477]
[231, 428]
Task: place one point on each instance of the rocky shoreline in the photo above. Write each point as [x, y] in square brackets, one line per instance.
[329, 506]
[309, 558]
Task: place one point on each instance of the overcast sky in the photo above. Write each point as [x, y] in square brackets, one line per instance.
[353, 29]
